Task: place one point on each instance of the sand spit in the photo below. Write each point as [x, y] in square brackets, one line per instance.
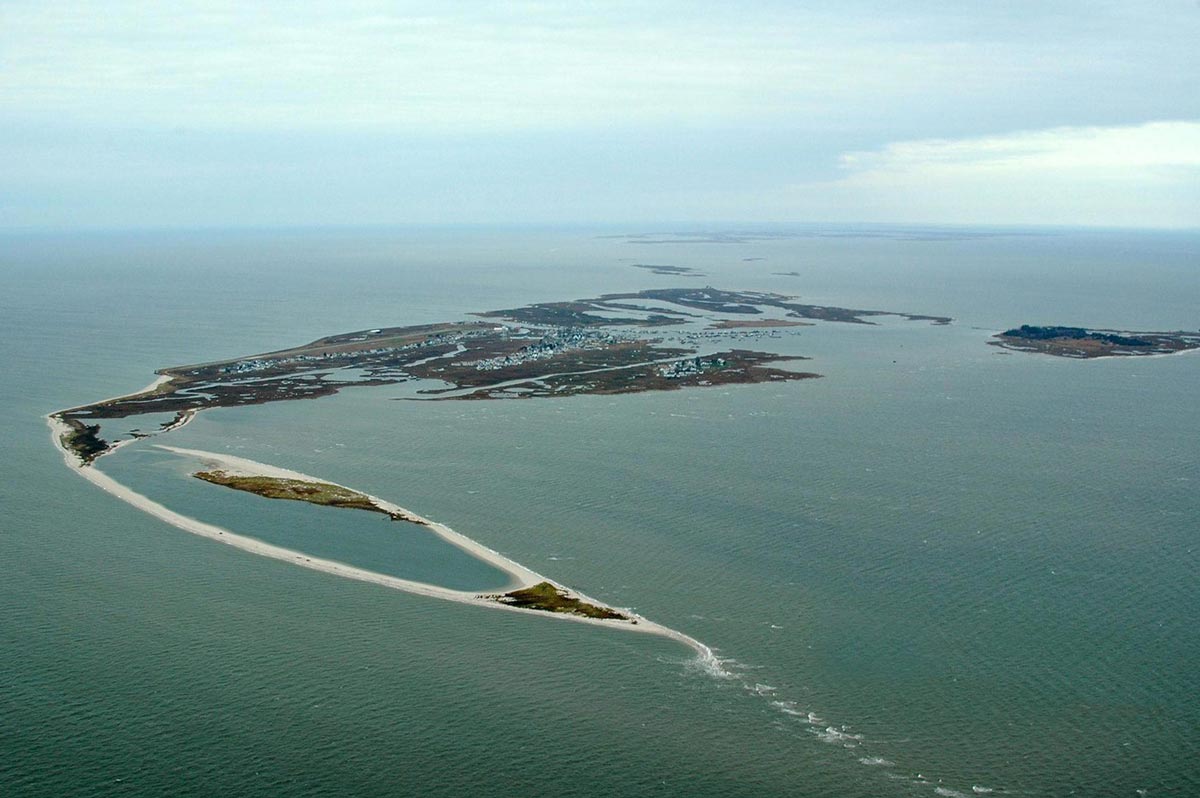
[521, 576]
[184, 418]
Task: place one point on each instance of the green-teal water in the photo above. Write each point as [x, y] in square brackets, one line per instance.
[938, 570]
[355, 537]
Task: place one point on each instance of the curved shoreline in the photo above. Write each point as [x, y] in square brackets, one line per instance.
[519, 575]
[162, 379]
[522, 575]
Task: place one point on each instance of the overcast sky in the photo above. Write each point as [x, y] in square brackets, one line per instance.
[147, 114]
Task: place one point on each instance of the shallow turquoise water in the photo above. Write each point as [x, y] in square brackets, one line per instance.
[973, 569]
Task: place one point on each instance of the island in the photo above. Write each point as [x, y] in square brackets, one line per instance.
[736, 324]
[551, 598]
[325, 494]
[658, 268]
[542, 595]
[1084, 343]
[666, 339]
[601, 345]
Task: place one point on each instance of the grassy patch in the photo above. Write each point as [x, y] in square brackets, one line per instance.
[321, 493]
[545, 596]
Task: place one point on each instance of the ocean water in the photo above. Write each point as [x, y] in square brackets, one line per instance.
[938, 570]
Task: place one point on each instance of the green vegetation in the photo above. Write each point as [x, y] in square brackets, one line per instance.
[321, 493]
[1035, 333]
[545, 596]
[1079, 342]
[84, 440]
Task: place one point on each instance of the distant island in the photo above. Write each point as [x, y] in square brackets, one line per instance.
[737, 324]
[552, 349]
[1083, 343]
[660, 268]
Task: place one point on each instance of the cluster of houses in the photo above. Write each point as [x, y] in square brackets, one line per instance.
[259, 364]
[690, 367]
[733, 335]
[554, 342]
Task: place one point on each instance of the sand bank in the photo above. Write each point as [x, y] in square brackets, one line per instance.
[521, 575]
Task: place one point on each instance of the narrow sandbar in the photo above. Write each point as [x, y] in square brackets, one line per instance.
[522, 577]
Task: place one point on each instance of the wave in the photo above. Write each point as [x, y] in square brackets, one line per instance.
[838, 736]
[705, 661]
[790, 708]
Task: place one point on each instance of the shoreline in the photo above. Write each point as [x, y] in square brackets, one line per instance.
[519, 575]
[1098, 358]
[999, 340]
[184, 418]
[525, 576]
[159, 381]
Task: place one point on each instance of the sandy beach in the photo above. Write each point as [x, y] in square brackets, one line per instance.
[521, 576]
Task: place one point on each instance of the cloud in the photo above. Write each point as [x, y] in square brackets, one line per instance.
[370, 109]
[376, 66]
[1106, 150]
[1137, 175]
[397, 66]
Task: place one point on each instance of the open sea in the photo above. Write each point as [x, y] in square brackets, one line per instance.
[941, 570]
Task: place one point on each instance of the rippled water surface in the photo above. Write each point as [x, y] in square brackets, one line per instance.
[939, 570]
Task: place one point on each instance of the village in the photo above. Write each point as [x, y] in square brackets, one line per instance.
[554, 342]
[690, 367]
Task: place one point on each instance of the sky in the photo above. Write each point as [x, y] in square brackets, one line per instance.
[196, 114]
